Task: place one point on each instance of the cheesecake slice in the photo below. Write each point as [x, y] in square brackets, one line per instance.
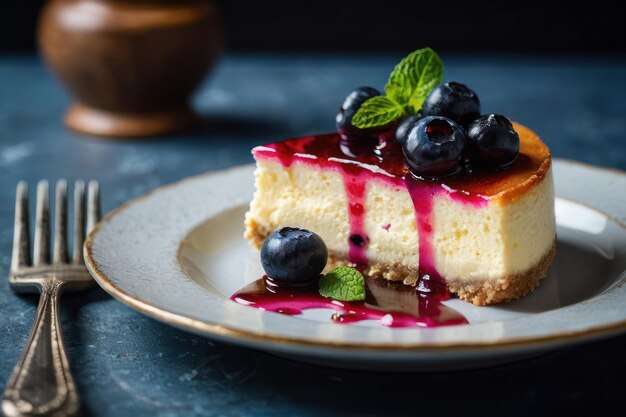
[488, 235]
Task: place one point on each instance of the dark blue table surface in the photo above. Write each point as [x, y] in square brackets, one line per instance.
[129, 365]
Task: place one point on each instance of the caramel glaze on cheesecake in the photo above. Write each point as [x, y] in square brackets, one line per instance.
[488, 235]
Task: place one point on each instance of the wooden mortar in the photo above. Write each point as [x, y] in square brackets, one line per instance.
[131, 65]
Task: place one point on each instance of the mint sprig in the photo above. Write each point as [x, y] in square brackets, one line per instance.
[377, 111]
[343, 283]
[408, 85]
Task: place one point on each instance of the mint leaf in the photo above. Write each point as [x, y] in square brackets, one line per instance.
[414, 78]
[343, 283]
[377, 111]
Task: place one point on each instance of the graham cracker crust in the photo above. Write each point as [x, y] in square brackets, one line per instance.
[477, 292]
[503, 289]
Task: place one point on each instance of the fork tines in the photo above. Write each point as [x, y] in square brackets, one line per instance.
[41, 251]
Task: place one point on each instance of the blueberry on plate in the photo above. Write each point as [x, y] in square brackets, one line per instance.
[434, 147]
[348, 109]
[493, 141]
[405, 124]
[293, 257]
[453, 100]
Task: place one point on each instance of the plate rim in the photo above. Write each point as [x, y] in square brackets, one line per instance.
[240, 336]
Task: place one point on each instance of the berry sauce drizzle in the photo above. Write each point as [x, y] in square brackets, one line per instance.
[391, 304]
[422, 195]
[358, 240]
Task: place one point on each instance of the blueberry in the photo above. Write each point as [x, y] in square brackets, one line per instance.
[293, 257]
[403, 127]
[348, 109]
[493, 141]
[434, 147]
[359, 240]
[453, 100]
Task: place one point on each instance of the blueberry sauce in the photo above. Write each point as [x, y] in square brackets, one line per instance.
[358, 240]
[391, 304]
[422, 194]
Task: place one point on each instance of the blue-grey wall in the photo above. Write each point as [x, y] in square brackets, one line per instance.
[574, 26]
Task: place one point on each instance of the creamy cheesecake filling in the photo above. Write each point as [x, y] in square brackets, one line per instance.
[496, 240]
[469, 242]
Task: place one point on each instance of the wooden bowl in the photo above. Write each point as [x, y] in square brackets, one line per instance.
[131, 65]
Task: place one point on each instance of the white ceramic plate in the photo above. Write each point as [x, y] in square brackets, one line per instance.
[177, 254]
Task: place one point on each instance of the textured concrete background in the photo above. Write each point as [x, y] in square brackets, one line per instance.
[128, 365]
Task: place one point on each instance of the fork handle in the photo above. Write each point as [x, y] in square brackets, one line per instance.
[41, 383]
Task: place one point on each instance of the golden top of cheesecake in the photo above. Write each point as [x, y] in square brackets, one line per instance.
[501, 185]
[529, 169]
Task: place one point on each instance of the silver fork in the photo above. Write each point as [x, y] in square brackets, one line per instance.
[41, 383]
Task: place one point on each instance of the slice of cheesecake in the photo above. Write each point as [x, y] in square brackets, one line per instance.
[488, 235]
